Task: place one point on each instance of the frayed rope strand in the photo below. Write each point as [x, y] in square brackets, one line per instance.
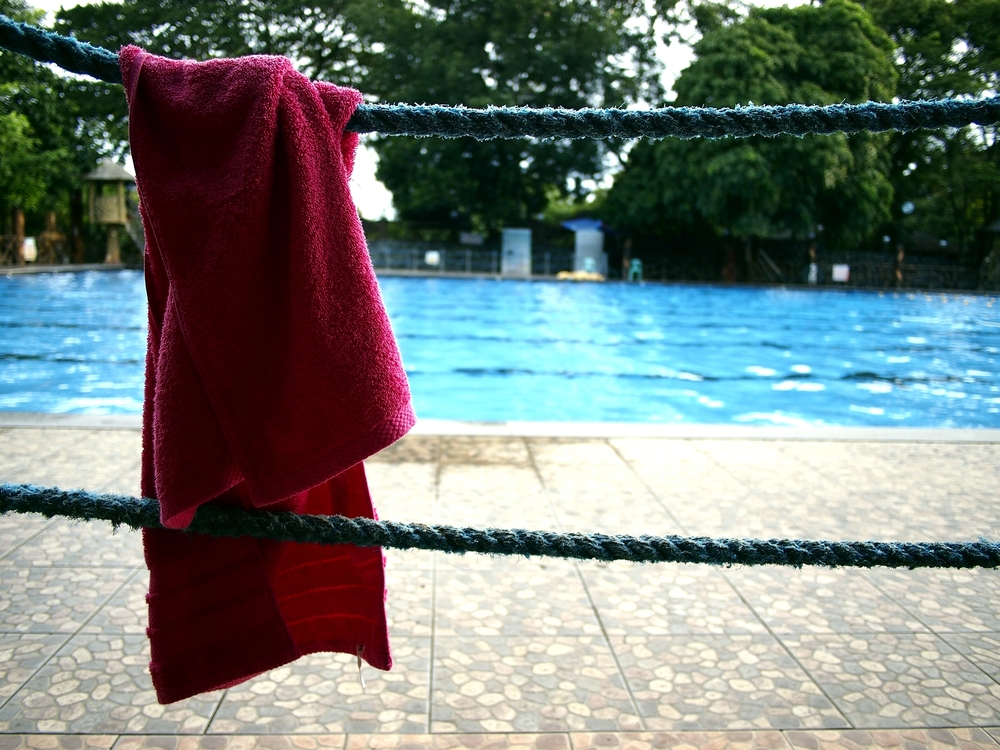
[364, 532]
[517, 122]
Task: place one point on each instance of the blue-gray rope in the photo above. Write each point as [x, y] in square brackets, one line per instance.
[364, 532]
[517, 122]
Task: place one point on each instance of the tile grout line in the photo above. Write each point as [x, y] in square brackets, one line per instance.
[586, 589]
[52, 521]
[749, 606]
[787, 650]
[74, 634]
[759, 494]
[861, 496]
[939, 635]
[36, 459]
[215, 711]
[656, 497]
[434, 593]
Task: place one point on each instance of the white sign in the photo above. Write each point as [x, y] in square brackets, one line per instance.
[841, 272]
[432, 258]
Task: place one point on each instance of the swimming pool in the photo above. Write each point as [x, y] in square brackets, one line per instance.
[487, 350]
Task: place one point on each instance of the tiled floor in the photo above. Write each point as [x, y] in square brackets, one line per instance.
[498, 653]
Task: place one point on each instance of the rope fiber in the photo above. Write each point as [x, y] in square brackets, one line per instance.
[548, 123]
[364, 532]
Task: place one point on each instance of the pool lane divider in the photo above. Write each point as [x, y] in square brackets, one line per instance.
[121, 510]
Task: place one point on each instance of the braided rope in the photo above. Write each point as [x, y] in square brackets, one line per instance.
[548, 123]
[364, 532]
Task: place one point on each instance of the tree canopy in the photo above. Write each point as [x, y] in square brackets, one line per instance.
[45, 143]
[764, 187]
[950, 179]
[474, 52]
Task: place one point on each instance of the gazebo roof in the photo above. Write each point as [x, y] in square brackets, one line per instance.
[109, 171]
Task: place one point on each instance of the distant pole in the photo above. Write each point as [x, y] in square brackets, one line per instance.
[468, 260]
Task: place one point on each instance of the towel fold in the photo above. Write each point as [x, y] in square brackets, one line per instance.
[271, 368]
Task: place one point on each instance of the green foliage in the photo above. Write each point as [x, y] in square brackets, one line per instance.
[474, 52]
[45, 146]
[503, 52]
[759, 187]
[945, 48]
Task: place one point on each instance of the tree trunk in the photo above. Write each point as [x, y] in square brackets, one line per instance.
[19, 236]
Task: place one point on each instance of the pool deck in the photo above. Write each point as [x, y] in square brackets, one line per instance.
[497, 653]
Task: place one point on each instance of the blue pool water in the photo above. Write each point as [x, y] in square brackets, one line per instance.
[487, 350]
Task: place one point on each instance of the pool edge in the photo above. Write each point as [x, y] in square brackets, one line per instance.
[599, 430]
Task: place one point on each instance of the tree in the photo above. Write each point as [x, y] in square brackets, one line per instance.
[44, 145]
[502, 52]
[761, 187]
[472, 52]
[951, 176]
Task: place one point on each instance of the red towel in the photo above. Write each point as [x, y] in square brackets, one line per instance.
[271, 369]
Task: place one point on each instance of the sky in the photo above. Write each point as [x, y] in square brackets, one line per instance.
[372, 198]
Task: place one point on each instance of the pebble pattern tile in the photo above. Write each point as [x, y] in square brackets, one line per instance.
[945, 600]
[323, 694]
[16, 530]
[893, 739]
[516, 684]
[819, 600]
[735, 740]
[244, 742]
[550, 741]
[57, 741]
[721, 682]
[893, 680]
[667, 600]
[508, 653]
[21, 654]
[125, 612]
[72, 544]
[982, 649]
[54, 600]
[536, 600]
[99, 684]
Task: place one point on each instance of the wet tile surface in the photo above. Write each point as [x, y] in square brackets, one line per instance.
[508, 653]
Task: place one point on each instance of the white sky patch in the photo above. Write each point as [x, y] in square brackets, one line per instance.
[372, 198]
